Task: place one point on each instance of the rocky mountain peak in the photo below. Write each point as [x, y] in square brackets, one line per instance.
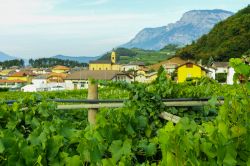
[192, 25]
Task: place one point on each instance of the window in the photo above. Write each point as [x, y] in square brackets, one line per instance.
[189, 65]
[189, 75]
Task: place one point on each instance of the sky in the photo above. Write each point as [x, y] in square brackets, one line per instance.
[44, 28]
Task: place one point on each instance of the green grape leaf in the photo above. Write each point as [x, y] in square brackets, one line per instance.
[54, 144]
[222, 127]
[119, 148]
[74, 161]
[238, 131]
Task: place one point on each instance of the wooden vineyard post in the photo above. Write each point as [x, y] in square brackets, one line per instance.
[92, 95]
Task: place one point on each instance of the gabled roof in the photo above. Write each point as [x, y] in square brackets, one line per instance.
[60, 67]
[94, 74]
[220, 64]
[195, 65]
[174, 60]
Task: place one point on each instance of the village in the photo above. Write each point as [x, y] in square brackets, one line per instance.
[59, 77]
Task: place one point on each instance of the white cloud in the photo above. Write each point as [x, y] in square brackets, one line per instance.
[33, 12]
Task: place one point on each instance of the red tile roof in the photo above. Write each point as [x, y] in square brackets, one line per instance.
[22, 74]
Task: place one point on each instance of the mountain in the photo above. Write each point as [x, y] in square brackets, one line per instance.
[228, 39]
[192, 25]
[5, 57]
[81, 59]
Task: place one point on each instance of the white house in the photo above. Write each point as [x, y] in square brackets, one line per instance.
[39, 80]
[29, 88]
[44, 87]
[221, 67]
[128, 67]
[221, 70]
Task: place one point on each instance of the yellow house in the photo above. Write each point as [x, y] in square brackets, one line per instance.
[189, 70]
[60, 69]
[105, 64]
[23, 76]
[151, 77]
[5, 72]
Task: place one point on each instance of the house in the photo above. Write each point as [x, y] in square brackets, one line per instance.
[43, 87]
[105, 64]
[150, 77]
[190, 70]
[170, 65]
[130, 67]
[41, 79]
[221, 70]
[40, 71]
[12, 84]
[6, 72]
[60, 69]
[56, 77]
[145, 77]
[79, 79]
[221, 67]
[21, 75]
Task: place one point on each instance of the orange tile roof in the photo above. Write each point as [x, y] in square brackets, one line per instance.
[22, 74]
[12, 81]
[59, 67]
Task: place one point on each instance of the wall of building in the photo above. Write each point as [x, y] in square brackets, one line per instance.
[104, 67]
[230, 76]
[39, 81]
[26, 78]
[129, 67]
[59, 71]
[185, 72]
[76, 84]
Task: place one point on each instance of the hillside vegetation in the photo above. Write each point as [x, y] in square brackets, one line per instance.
[149, 57]
[50, 62]
[228, 39]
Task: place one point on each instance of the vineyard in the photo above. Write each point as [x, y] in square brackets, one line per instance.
[133, 134]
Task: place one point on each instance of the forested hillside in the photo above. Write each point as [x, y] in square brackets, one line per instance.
[50, 62]
[228, 39]
[147, 56]
[10, 63]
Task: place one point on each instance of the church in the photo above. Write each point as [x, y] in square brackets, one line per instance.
[105, 64]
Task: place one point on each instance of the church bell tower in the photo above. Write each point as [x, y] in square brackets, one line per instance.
[113, 57]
